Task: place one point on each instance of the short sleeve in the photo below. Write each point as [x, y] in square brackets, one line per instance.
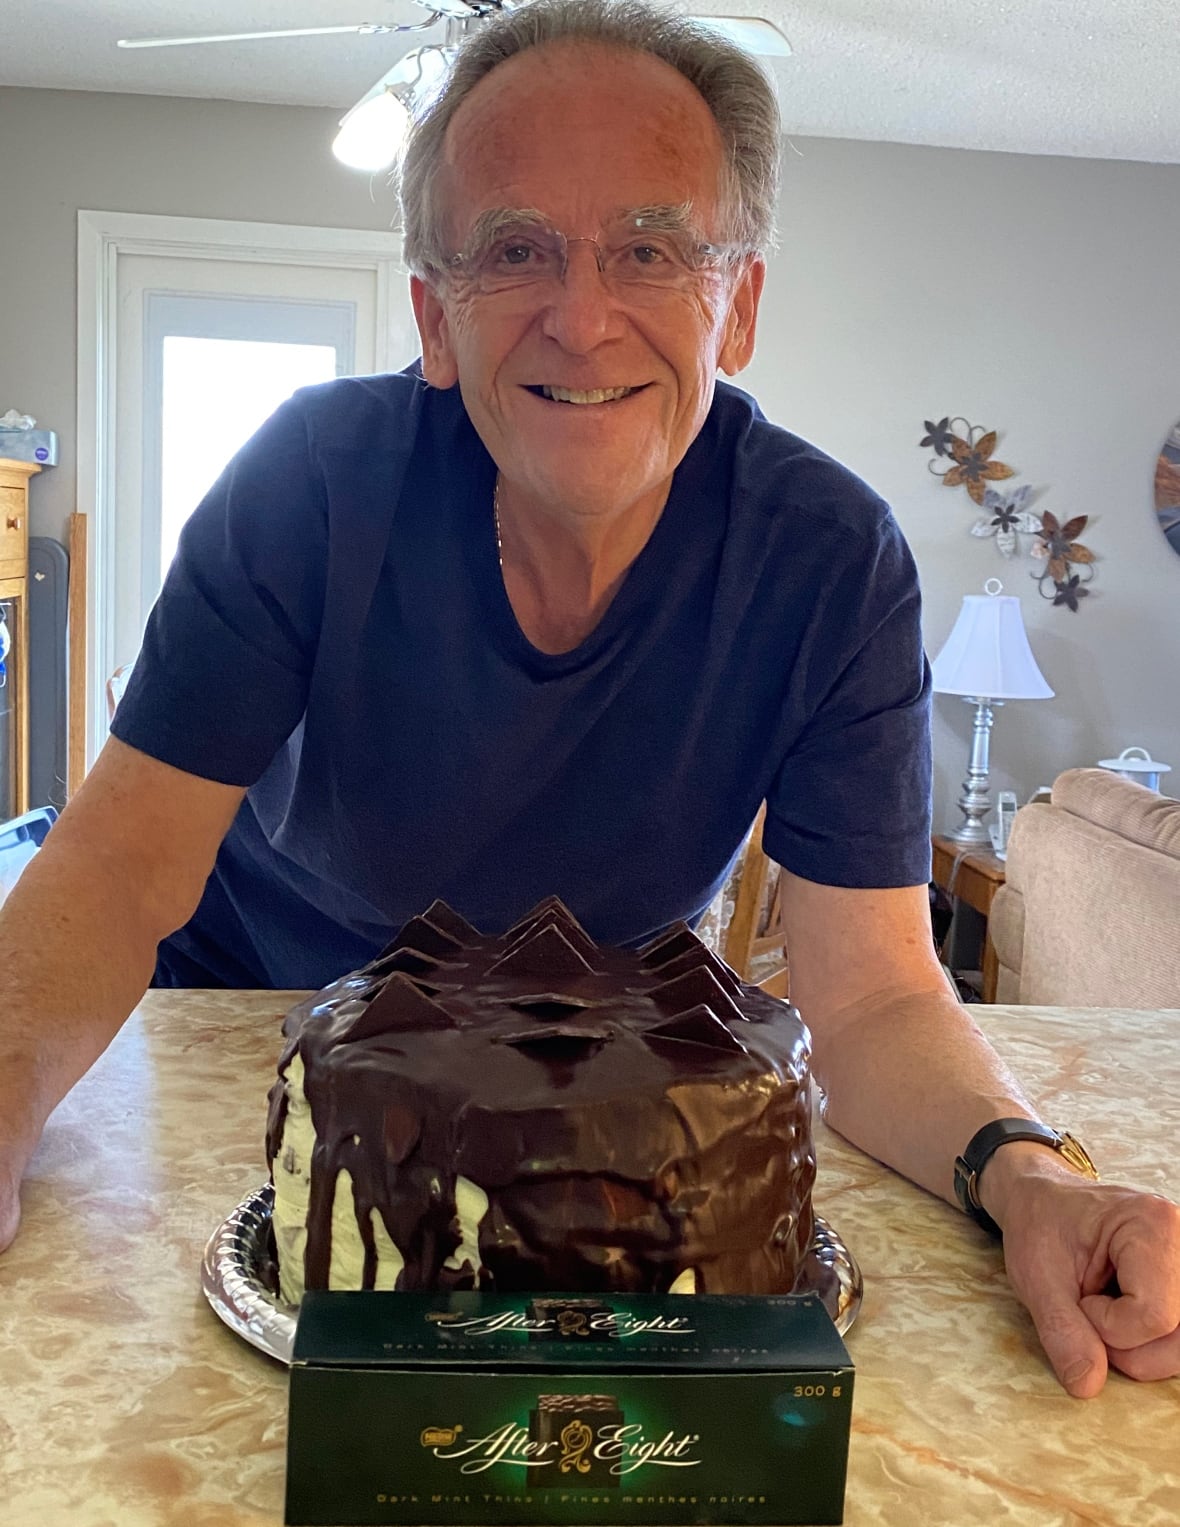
[850, 804]
[221, 680]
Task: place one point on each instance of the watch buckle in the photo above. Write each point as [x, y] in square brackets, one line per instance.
[1078, 1156]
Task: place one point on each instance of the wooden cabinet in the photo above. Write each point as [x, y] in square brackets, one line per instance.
[14, 611]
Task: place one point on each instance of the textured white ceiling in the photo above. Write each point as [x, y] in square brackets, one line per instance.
[1099, 78]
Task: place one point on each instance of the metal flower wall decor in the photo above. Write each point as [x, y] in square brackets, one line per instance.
[964, 457]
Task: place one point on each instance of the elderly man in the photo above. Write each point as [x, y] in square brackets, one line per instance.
[556, 613]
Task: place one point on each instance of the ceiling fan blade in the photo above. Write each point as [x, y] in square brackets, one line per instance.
[372, 27]
[749, 32]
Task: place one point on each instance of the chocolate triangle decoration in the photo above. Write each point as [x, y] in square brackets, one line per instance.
[700, 1025]
[545, 953]
[440, 915]
[569, 928]
[556, 1033]
[552, 910]
[412, 961]
[702, 956]
[399, 1005]
[669, 946]
[368, 1023]
[699, 985]
[546, 904]
[422, 935]
[552, 1006]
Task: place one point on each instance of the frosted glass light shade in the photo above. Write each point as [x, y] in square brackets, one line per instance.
[987, 654]
[371, 134]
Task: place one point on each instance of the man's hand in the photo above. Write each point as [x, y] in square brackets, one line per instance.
[9, 1204]
[124, 866]
[20, 1120]
[13, 1158]
[886, 1026]
[1098, 1268]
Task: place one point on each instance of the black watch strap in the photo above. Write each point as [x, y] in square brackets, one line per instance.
[982, 1147]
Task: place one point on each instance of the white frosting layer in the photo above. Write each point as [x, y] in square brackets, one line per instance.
[389, 1259]
[471, 1204]
[292, 1180]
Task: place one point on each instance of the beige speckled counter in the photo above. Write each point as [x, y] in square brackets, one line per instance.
[125, 1403]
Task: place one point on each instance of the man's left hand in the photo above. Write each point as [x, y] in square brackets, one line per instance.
[1098, 1267]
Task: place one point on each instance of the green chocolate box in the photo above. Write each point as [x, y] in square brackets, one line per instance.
[645, 1408]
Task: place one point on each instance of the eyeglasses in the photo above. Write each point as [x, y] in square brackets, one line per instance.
[639, 259]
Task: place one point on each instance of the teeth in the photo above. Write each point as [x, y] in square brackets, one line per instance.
[598, 395]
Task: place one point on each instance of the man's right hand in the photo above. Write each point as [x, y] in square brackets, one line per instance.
[9, 1202]
[124, 867]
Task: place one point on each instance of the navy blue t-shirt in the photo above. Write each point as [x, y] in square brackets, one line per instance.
[334, 633]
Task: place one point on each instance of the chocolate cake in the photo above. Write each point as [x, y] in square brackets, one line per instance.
[535, 1112]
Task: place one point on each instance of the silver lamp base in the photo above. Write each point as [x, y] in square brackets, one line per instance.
[975, 802]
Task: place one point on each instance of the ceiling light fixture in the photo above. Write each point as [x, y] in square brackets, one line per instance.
[371, 133]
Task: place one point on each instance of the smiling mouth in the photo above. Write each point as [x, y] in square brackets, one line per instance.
[592, 395]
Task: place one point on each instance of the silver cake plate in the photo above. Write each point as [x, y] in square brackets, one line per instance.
[233, 1277]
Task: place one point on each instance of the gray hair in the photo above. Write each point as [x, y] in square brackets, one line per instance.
[733, 86]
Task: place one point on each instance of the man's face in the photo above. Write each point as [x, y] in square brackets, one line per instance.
[582, 135]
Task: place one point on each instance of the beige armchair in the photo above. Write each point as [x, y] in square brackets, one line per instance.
[1090, 913]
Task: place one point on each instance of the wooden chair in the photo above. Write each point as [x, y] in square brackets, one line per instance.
[755, 937]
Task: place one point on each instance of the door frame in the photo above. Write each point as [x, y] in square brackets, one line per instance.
[103, 239]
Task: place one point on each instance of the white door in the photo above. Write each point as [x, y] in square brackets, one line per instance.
[178, 320]
[206, 350]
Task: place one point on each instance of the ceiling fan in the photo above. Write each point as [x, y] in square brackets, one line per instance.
[371, 131]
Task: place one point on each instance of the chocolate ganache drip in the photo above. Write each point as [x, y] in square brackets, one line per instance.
[535, 1111]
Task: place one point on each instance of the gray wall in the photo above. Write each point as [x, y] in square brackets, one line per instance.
[1031, 295]
[1027, 294]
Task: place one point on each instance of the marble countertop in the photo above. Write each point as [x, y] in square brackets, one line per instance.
[124, 1402]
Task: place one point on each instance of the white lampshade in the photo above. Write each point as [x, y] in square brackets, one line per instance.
[987, 654]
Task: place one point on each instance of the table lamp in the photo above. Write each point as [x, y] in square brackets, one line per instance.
[987, 660]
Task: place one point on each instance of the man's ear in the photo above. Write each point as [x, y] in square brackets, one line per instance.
[438, 357]
[737, 347]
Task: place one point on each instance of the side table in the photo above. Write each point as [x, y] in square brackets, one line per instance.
[973, 875]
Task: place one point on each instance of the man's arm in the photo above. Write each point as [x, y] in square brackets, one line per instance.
[125, 866]
[909, 1079]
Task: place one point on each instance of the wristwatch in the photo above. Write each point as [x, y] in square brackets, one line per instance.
[984, 1144]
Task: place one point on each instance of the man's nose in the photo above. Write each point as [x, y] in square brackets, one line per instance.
[583, 311]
